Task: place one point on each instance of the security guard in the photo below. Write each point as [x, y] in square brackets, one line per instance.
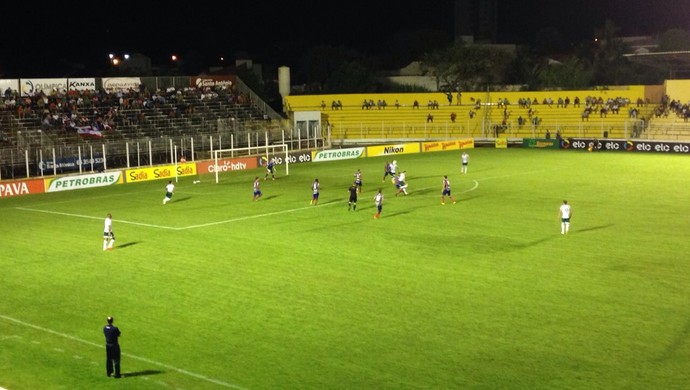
[112, 348]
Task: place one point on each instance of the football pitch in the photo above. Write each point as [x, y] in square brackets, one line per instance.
[214, 291]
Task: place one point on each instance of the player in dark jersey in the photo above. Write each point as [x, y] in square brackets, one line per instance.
[352, 202]
[387, 171]
[270, 169]
[446, 191]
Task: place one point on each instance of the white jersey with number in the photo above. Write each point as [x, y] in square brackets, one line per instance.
[565, 211]
[108, 225]
[170, 188]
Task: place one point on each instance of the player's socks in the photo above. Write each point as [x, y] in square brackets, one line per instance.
[110, 244]
[105, 244]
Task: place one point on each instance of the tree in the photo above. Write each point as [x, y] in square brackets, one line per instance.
[569, 74]
[467, 67]
[674, 40]
[319, 63]
[524, 69]
[610, 67]
[351, 77]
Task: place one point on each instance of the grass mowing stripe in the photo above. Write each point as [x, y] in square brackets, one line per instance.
[145, 360]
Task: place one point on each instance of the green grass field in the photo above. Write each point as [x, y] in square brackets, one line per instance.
[215, 291]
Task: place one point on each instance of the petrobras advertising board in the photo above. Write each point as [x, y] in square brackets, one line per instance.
[83, 181]
[337, 154]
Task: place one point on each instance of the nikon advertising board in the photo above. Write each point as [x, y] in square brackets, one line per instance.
[387, 150]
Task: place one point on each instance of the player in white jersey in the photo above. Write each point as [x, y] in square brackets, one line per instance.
[465, 162]
[108, 235]
[315, 186]
[378, 200]
[401, 184]
[169, 189]
[565, 213]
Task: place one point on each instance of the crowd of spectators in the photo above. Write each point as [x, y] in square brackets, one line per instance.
[667, 106]
[65, 111]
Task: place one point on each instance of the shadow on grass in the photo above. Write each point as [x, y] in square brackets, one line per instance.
[589, 229]
[268, 197]
[127, 244]
[142, 373]
[671, 351]
[182, 199]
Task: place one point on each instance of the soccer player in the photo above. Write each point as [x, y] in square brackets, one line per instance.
[378, 199]
[446, 191]
[386, 171]
[270, 169]
[315, 195]
[565, 213]
[358, 180]
[394, 168]
[169, 189]
[352, 202]
[401, 184]
[257, 190]
[108, 235]
[465, 161]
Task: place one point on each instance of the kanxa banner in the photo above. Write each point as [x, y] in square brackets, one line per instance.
[594, 144]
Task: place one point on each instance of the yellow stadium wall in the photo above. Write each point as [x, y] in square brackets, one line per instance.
[313, 102]
[678, 90]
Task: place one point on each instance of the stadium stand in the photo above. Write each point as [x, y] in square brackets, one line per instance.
[594, 113]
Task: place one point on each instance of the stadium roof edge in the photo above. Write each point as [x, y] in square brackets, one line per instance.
[675, 62]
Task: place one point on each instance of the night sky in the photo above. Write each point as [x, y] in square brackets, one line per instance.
[275, 32]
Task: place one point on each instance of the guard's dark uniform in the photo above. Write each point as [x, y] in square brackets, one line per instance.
[112, 348]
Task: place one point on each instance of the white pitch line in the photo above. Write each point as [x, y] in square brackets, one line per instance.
[159, 364]
[254, 216]
[91, 217]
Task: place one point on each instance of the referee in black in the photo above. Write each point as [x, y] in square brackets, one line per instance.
[352, 202]
[112, 348]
